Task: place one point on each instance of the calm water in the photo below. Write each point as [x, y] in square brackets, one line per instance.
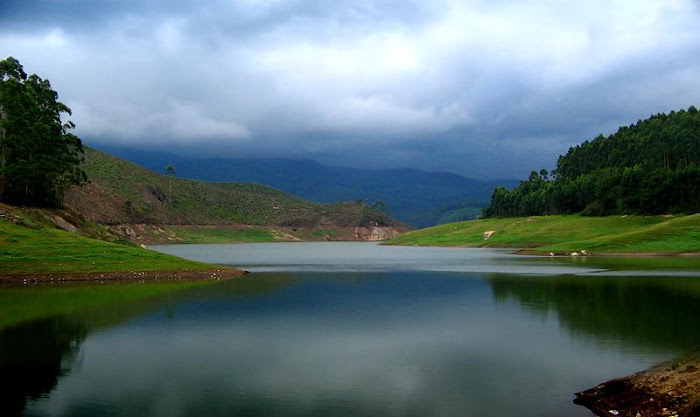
[356, 330]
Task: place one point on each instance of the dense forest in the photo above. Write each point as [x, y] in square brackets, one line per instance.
[650, 167]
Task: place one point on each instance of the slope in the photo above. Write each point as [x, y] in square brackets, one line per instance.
[120, 192]
[415, 197]
[32, 247]
[565, 234]
[650, 167]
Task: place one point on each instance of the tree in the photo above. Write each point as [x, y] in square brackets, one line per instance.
[650, 167]
[380, 205]
[39, 158]
[170, 172]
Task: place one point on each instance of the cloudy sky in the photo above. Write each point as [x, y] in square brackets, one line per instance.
[483, 88]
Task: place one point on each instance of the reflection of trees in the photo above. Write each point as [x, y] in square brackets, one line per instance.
[32, 358]
[658, 311]
[35, 354]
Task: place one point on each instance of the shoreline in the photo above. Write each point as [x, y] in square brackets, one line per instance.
[150, 276]
[671, 388]
[559, 254]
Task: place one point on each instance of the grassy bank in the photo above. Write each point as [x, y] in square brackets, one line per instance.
[29, 247]
[613, 234]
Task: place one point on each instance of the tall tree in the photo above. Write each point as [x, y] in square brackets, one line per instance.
[39, 157]
[170, 172]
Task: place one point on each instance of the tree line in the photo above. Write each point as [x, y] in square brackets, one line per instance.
[650, 167]
[39, 157]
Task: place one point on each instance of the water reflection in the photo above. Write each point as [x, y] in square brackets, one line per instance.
[404, 344]
[37, 352]
[428, 339]
[33, 356]
[631, 311]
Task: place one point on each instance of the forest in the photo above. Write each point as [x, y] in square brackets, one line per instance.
[650, 167]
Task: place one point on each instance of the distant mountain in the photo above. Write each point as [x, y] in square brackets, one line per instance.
[415, 197]
[120, 192]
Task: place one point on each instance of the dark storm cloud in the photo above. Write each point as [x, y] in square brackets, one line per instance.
[480, 88]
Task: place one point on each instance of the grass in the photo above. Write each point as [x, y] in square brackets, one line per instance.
[612, 234]
[222, 234]
[33, 248]
[120, 192]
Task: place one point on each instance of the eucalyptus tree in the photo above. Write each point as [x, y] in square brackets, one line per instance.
[39, 157]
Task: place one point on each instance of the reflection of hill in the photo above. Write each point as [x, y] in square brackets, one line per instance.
[634, 310]
[247, 286]
[35, 354]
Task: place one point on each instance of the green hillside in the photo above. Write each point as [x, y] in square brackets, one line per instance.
[31, 244]
[650, 167]
[165, 209]
[414, 197]
[121, 192]
[564, 234]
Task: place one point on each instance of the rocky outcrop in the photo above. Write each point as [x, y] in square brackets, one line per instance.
[375, 233]
[668, 389]
[62, 223]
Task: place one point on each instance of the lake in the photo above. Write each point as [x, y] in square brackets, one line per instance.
[349, 329]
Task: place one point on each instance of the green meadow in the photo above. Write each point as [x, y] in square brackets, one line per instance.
[221, 234]
[35, 248]
[611, 234]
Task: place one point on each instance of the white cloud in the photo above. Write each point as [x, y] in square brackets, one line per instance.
[270, 73]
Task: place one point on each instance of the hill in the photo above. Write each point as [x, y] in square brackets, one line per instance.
[650, 167]
[121, 195]
[566, 234]
[33, 247]
[414, 197]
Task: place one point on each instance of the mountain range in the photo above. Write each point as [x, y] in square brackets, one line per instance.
[416, 198]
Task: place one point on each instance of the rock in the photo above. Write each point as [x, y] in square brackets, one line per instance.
[375, 233]
[667, 389]
[61, 223]
[574, 254]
